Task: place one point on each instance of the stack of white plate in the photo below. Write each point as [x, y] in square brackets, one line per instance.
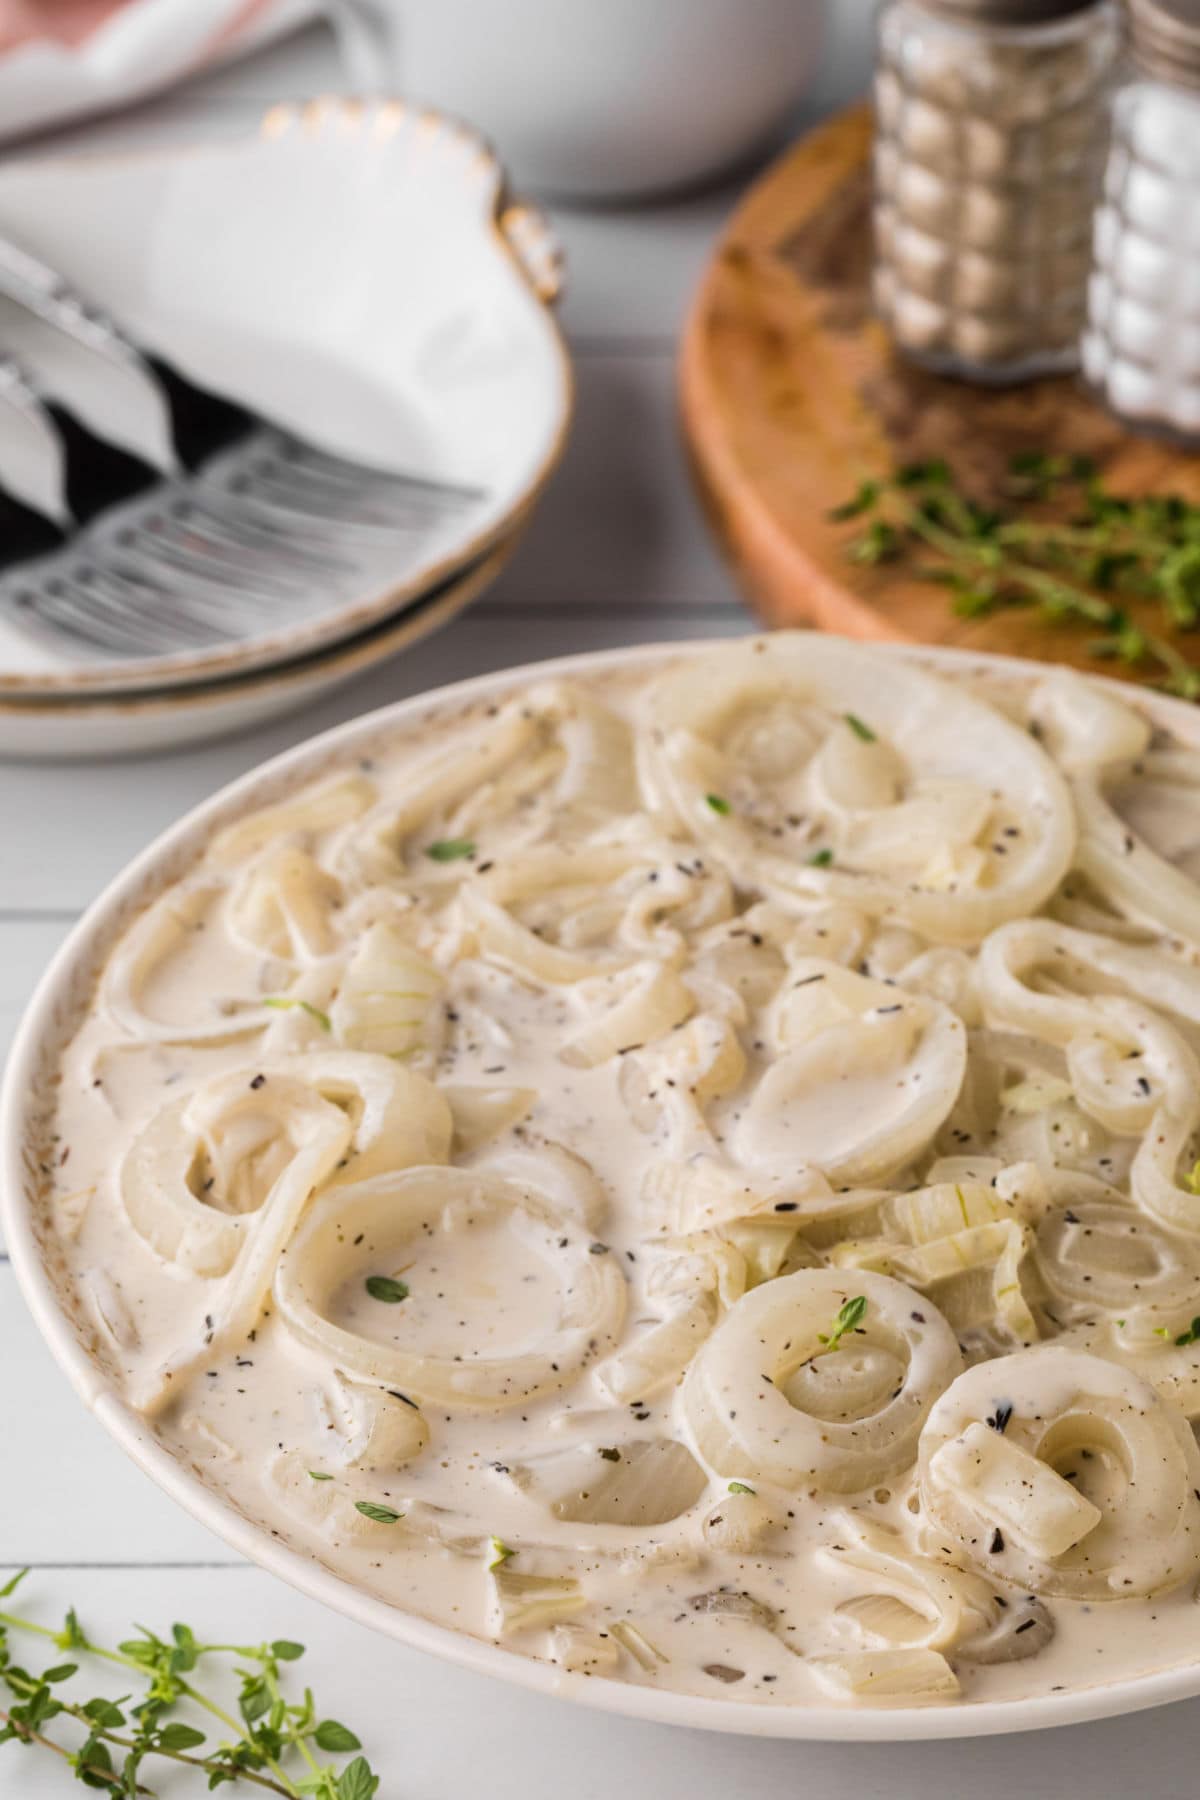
[358, 275]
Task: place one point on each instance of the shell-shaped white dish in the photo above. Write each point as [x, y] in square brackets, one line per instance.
[355, 272]
[26, 1119]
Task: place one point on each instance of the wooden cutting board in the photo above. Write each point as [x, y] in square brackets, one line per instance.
[791, 395]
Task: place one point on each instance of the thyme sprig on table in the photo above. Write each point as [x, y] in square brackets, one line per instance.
[268, 1744]
[1110, 550]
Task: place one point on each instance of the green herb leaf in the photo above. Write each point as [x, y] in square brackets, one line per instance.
[862, 502]
[859, 729]
[382, 1515]
[718, 804]
[72, 1637]
[273, 1731]
[254, 1699]
[1191, 1335]
[739, 1487]
[319, 1475]
[450, 849]
[187, 1649]
[284, 1002]
[498, 1552]
[103, 1712]
[386, 1288]
[356, 1781]
[177, 1736]
[1075, 565]
[821, 860]
[11, 1586]
[880, 542]
[849, 1318]
[336, 1738]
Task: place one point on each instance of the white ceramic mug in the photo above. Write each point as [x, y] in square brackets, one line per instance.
[595, 99]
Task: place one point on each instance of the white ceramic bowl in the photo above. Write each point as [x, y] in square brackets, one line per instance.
[603, 99]
[26, 1109]
[356, 273]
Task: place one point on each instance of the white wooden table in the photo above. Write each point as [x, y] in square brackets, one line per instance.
[617, 554]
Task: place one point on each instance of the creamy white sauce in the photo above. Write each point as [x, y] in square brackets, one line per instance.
[708, 959]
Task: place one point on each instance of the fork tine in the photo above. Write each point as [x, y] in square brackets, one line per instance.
[252, 525]
[193, 515]
[308, 454]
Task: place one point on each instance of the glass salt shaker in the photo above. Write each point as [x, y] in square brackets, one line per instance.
[991, 127]
[1141, 346]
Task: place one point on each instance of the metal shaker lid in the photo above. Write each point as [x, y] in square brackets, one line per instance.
[1008, 12]
[1165, 38]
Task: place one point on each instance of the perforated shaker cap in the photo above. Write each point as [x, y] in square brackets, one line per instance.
[1165, 38]
[1009, 12]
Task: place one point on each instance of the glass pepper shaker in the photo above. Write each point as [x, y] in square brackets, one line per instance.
[1141, 347]
[991, 126]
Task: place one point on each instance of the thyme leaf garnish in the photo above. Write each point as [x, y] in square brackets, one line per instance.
[1099, 559]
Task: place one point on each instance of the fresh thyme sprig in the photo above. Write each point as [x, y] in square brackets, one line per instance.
[1111, 550]
[268, 1744]
[849, 1318]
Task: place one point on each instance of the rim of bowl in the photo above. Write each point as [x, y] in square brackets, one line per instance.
[103, 920]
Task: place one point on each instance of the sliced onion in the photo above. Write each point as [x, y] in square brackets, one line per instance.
[887, 1677]
[743, 1421]
[944, 1605]
[1111, 1257]
[869, 1077]
[330, 1112]
[374, 1430]
[389, 999]
[942, 737]
[529, 1602]
[239, 1301]
[637, 1006]
[636, 1484]
[481, 1113]
[283, 904]
[1132, 1458]
[557, 1177]
[312, 812]
[1041, 977]
[153, 939]
[389, 1207]
[247, 1135]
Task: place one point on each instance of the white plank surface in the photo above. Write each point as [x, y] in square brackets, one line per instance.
[616, 554]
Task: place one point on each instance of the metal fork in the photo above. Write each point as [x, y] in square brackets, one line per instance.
[244, 531]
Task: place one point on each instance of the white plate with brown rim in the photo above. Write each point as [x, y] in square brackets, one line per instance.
[69, 727]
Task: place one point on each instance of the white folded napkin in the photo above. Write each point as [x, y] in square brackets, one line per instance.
[64, 59]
